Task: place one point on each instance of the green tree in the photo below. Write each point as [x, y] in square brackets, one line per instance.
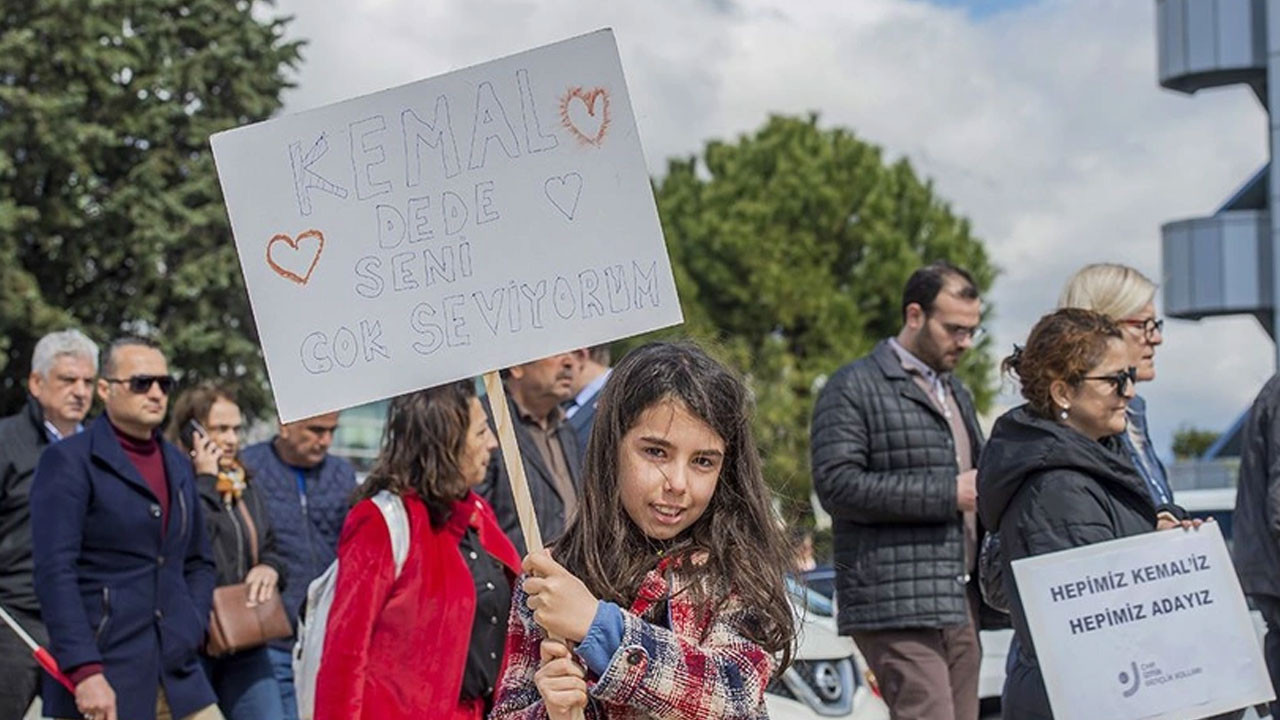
[1189, 442]
[111, 218]
[790, 249]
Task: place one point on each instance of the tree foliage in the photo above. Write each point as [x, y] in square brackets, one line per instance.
[1190, 442]
[790, 249]
[111, 218]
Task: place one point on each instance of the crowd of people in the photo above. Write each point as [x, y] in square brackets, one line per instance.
[135, 549]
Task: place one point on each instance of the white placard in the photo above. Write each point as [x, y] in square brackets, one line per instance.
[448, 227]
[1151, 626]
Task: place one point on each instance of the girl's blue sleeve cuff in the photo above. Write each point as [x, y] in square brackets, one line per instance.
[603, 638]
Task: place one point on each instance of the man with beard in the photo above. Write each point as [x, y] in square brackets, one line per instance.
[894, 443]
[547, 445]
[63, 367]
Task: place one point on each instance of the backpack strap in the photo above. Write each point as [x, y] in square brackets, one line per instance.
[397, 519]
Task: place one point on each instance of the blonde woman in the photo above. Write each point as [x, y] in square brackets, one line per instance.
[1127, 297]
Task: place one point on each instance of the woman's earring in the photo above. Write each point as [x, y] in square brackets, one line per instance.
[1063, 414]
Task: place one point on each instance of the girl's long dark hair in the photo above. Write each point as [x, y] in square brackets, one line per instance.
[737, 547]
[422, 448]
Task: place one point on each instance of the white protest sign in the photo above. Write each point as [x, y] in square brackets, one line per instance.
[452, 226]
[1151, 626]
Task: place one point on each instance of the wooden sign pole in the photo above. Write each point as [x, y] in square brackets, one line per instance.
[515, 472]
[515, 464]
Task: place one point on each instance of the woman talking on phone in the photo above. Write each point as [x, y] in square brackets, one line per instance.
[206, 423]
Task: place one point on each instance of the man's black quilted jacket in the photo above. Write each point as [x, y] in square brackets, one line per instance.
[884, 466]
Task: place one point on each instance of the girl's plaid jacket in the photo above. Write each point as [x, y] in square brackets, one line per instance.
[702, 667]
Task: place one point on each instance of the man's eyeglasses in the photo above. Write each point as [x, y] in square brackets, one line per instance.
[1119, 379]
[142, 383]
[1149, 326]
[960, 332]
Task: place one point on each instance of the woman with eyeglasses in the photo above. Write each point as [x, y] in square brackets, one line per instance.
[1127, 297]
[1055, 473]
[206, 424]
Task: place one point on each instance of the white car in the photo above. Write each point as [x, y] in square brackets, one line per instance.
[827, 678]
[995, 656]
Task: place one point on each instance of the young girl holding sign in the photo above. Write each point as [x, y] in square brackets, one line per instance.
[669, 579]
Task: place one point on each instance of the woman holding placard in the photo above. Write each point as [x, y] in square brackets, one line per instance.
[425, 639]
[1055, 474]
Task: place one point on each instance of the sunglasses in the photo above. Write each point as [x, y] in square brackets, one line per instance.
[1119, 379]
[142, 383]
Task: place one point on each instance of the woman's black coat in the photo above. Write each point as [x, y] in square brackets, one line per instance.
[1047, 487]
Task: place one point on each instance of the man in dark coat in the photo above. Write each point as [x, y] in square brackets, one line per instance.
[63, 367]
[1257, 519]
[894, 441]
[535, 392]
[307, 493]
[122, 568]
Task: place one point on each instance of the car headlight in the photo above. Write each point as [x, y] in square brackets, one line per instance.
[826, 686]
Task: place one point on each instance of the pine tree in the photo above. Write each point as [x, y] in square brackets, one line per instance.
[111, 218]
[790, 249]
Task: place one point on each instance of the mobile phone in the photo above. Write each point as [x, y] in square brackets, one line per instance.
[190, 430]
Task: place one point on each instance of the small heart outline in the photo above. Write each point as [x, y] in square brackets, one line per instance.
[293, 244]
[564, 181]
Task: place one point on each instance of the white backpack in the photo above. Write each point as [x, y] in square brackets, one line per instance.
[311, 628]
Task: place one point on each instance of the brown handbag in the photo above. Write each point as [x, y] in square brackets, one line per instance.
[233, 625]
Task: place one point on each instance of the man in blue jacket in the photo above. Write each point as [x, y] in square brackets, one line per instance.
[122, 567]
[307, 493]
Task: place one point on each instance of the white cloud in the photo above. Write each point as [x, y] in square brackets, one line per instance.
[1044, 124]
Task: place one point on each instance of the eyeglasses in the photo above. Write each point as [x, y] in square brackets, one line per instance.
[960, 332]
[1149, 326]
[1119, 379]
[142, 383]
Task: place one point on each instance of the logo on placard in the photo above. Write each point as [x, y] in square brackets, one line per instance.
[1131, 676]
[295, 258]
[585, 112]
[1150, 674]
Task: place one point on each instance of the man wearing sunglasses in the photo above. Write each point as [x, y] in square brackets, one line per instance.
[122, 568]
[63, 367]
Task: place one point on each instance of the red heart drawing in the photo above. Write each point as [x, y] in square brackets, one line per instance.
[296, 257]
[589, 126]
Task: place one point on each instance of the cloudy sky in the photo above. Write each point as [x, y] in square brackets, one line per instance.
[1041, 120]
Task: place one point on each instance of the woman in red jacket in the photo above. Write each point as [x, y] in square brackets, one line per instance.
[427, 643]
